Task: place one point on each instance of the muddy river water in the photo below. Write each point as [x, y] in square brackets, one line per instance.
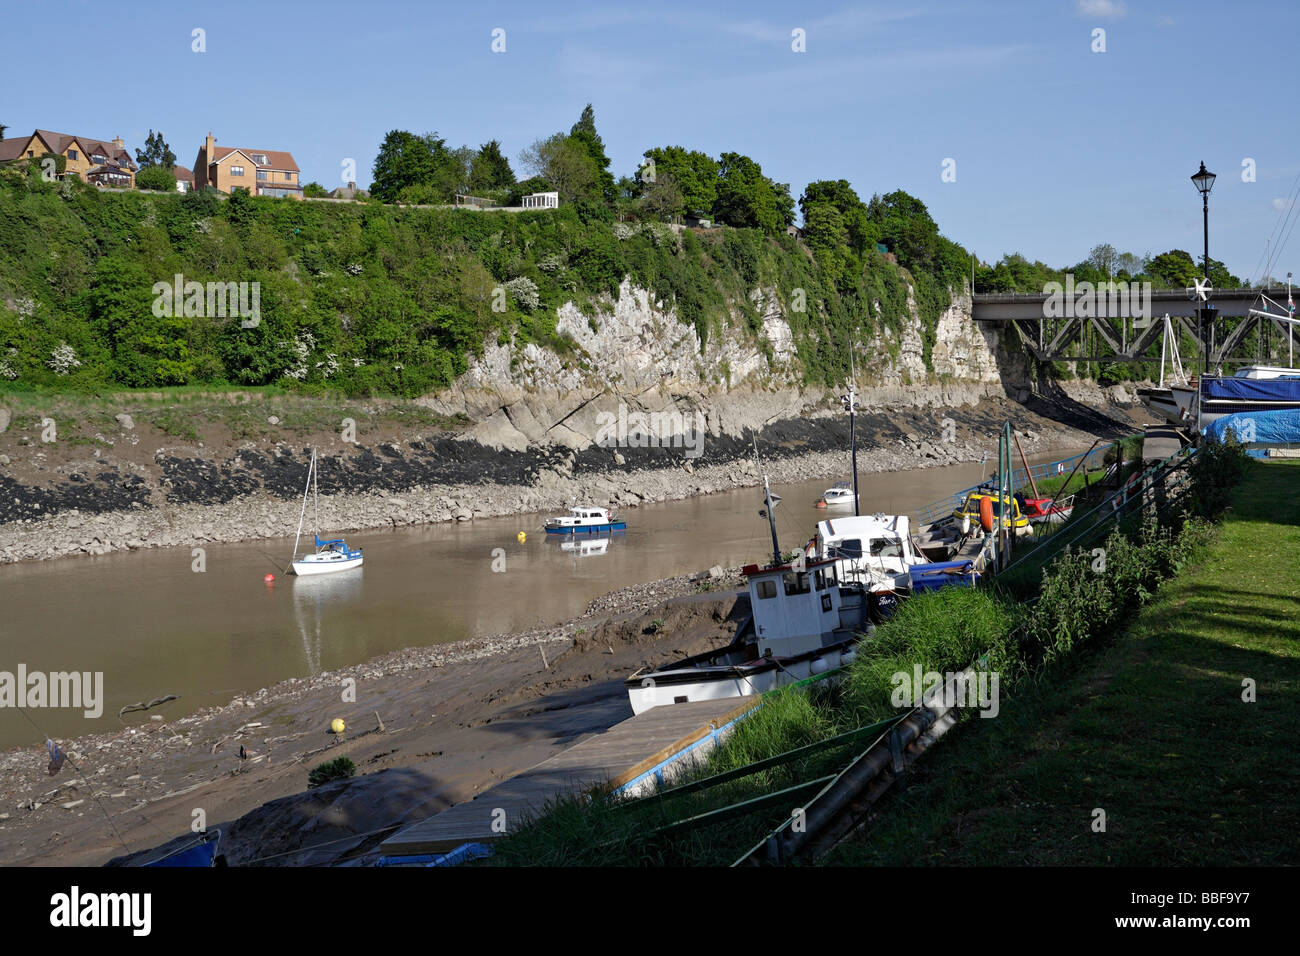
[155, 626]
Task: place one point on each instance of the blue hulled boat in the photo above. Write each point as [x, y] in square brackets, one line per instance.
[585, 520]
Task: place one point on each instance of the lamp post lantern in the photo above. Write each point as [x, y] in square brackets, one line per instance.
[1203, 180]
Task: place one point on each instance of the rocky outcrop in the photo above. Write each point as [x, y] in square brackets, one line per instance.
[633, 355]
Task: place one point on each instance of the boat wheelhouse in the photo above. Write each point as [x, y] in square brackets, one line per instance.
[975, 510]
[585, 520]
[803, 623]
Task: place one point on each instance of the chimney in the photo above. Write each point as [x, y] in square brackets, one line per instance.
[208, 147]
[117, 141]
[352, 186]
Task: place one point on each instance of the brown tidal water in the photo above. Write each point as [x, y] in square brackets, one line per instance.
[155, 627]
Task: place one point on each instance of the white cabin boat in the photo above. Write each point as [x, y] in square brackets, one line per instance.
[840, 495]
[585, 519]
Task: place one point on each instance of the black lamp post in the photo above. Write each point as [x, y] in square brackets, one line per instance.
[1203, 180]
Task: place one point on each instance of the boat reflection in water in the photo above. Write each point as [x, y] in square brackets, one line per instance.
[315, 598]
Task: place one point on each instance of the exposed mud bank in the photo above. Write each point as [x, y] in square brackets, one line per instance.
[185, 496]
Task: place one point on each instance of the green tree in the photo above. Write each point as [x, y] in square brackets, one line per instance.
[1174, 269]
[695, 173]
[314, 190]
[490, 169]
[148, 350]
[156, 152]
[662, 199]
[747, 198]
[851, 214]
[155, 177]
[415, 169]
[1104, 258]
[584, 133]
[564, 164]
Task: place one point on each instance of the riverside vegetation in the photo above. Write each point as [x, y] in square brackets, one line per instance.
[1026, 642]
[380, 298]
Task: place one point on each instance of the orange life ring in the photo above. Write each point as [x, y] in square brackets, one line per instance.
[986, 514]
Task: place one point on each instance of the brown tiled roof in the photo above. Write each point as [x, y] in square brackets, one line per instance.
[183, 174]
[275, 159]
[12, 148]
[59, 143]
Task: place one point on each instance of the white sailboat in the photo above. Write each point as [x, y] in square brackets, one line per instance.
[329, 556]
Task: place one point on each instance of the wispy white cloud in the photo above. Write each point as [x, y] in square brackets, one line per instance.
[1100, 8]
[841, 23]
[1280, 204]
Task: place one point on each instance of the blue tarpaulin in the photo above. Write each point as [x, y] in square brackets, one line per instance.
[931, 577]
[1252, 389]
[1258, 428]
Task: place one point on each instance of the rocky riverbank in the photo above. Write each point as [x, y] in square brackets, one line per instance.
[179, 496]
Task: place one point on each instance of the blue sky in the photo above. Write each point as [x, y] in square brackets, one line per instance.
[1056, 147]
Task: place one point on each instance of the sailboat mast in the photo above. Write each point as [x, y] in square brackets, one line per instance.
[768, 507]
[315, 493]
[853, 432]
[771, 520]
[303, 513]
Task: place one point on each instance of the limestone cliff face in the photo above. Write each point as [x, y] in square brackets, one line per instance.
[635, 351]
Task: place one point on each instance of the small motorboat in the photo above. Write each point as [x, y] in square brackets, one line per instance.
[1047, 510]
[585, 520]
[331, 555]
[839, 495]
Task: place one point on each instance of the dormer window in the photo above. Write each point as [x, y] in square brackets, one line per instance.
[260, 159]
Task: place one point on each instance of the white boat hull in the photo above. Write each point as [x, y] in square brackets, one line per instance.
[313, 564]
[1172, 404]
[690, 684]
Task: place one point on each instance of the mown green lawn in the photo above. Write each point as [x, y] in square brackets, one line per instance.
[1150, 727]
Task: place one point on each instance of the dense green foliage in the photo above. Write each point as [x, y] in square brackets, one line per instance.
[374, 299]
[158, 178]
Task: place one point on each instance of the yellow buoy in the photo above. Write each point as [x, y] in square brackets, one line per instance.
[522, 537]
[336, 725]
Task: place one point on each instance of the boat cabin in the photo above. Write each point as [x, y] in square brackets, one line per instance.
[1014, 517]
[797, 607]
[873, 550]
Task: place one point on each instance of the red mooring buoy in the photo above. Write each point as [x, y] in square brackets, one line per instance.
[269, 579]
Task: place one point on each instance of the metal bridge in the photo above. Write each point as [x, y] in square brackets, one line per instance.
[1112, 327]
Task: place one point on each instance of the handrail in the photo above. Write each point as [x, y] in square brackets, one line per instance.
[1137, 485]
[945, 506]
